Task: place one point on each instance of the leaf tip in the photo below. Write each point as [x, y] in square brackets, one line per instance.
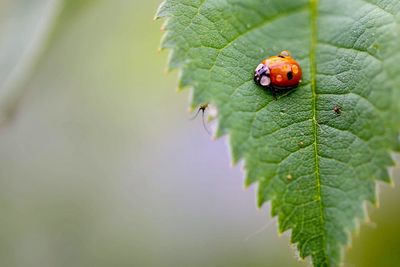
[247, 182]
[260, 200]
[161, 11]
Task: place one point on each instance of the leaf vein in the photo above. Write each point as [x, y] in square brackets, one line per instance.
[313, 74]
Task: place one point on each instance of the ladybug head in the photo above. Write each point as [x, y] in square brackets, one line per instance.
[262, 75]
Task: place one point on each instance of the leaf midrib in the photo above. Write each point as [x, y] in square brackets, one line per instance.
[313, 74]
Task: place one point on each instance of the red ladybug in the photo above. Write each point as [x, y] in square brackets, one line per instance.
[278, 73]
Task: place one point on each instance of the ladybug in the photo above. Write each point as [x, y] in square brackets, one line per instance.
[278, 73]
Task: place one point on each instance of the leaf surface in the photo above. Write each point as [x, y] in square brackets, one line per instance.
[317, 167]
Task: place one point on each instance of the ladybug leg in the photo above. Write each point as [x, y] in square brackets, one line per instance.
[274, 92]
[288, 92]
[284, 91]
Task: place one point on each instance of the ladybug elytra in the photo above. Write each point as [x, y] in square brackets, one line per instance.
[278, 73]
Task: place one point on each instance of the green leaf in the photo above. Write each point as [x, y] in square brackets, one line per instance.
[24, 28]
[318, 168]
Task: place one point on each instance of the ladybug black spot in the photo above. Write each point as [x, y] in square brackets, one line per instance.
[289, 75]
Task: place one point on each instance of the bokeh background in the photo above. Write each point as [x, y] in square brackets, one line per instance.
[101, 166]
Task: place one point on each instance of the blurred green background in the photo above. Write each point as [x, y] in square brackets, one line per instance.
[101, 166]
